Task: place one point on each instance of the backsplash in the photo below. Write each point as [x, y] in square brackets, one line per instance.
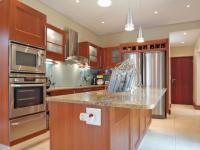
[64, 74]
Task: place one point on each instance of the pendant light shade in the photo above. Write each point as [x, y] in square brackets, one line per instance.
[104, 3]
[140, 38]
[129, 24]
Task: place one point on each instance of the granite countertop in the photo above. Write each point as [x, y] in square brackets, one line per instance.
[74, 87]
[141, 98]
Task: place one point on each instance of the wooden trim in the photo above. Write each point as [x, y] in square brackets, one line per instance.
[28, 137]
[197, 107]
[4, 37]
[182, 57]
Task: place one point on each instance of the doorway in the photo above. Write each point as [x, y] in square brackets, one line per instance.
[182, 80]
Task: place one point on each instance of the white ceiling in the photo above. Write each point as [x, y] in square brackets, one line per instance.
[90, 15]
[184, 38]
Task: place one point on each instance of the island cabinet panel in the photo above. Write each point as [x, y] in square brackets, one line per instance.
[121, 128]
[135, 128]
[27, 25]
[67, 132]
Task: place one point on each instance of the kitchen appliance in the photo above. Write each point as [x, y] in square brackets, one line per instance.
[151, 70]
[154, 70]
[27, 94]
[72, 49]
[27, 90]
[26, 58]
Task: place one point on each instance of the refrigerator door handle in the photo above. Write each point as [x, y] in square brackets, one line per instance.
[144, 71]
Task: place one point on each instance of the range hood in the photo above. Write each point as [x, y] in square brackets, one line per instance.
[72, 49]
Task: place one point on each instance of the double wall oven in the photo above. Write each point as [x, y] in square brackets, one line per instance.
[27, 90]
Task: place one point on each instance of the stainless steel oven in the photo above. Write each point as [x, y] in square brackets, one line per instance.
[25, 58]
[27, 95]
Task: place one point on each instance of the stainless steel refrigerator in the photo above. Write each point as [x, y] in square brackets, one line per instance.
[151, 68]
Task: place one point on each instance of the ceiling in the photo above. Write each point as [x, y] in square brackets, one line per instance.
[184, 38]
[90, 15]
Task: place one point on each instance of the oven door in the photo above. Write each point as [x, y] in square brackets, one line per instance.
[26, 59]
[26, 99]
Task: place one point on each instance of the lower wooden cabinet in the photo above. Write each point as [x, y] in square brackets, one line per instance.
[120, 128]
[58, 92]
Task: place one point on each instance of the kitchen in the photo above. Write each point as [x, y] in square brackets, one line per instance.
[67, 74]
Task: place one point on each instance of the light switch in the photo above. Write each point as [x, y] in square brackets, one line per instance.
[94, 116]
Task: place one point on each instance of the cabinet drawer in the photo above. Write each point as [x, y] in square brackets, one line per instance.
[24, 126]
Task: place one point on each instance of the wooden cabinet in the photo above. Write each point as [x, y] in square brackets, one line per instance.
[27, 25]
[57, 92]
[111, 57]
[56, 41]
[92, 52]
[119, 130]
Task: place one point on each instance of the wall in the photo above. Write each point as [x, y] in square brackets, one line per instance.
[197, 73]
[182, 51]
[57, 19]
[149, 33]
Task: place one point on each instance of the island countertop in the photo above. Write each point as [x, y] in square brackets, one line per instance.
[140, 98]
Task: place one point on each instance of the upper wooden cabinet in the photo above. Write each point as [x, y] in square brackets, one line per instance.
[56, 41]
[111, 57]
[27, 25]
[92, 52]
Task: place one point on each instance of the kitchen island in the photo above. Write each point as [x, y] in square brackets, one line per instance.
[119, 120]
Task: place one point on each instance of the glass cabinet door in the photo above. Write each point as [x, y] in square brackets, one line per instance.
[93, 54]
[115, 55]
[55, 39]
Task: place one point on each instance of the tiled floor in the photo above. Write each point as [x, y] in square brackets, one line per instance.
[181, 131]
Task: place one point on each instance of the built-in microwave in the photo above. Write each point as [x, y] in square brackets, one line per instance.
[26, 58]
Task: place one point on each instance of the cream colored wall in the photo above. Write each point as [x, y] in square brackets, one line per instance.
[182, 51]
[197, 73]
[149, 33]
[57, 19]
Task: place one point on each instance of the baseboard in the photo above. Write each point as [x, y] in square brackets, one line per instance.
[197, 107]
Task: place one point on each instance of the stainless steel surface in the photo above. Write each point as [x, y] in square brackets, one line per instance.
[40, 57]
[27, 125]
[137, 59]
[19, 83]
[154, 67]
[72, 48]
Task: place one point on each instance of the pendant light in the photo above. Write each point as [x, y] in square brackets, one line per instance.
[129, 26]
[104, 3]
[140, 38]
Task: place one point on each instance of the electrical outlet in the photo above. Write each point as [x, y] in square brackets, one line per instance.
[94, 116]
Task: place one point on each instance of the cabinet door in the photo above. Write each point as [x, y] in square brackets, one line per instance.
[106, 58]
[115, 56]
[27, 25]
[56, 41]
[93, 56]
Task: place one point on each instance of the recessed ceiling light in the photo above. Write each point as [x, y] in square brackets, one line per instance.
[155, 12]
[182, 42]
[104, 3]
[102, 22]
[77, 1]
[184, 33]
[188, 6]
